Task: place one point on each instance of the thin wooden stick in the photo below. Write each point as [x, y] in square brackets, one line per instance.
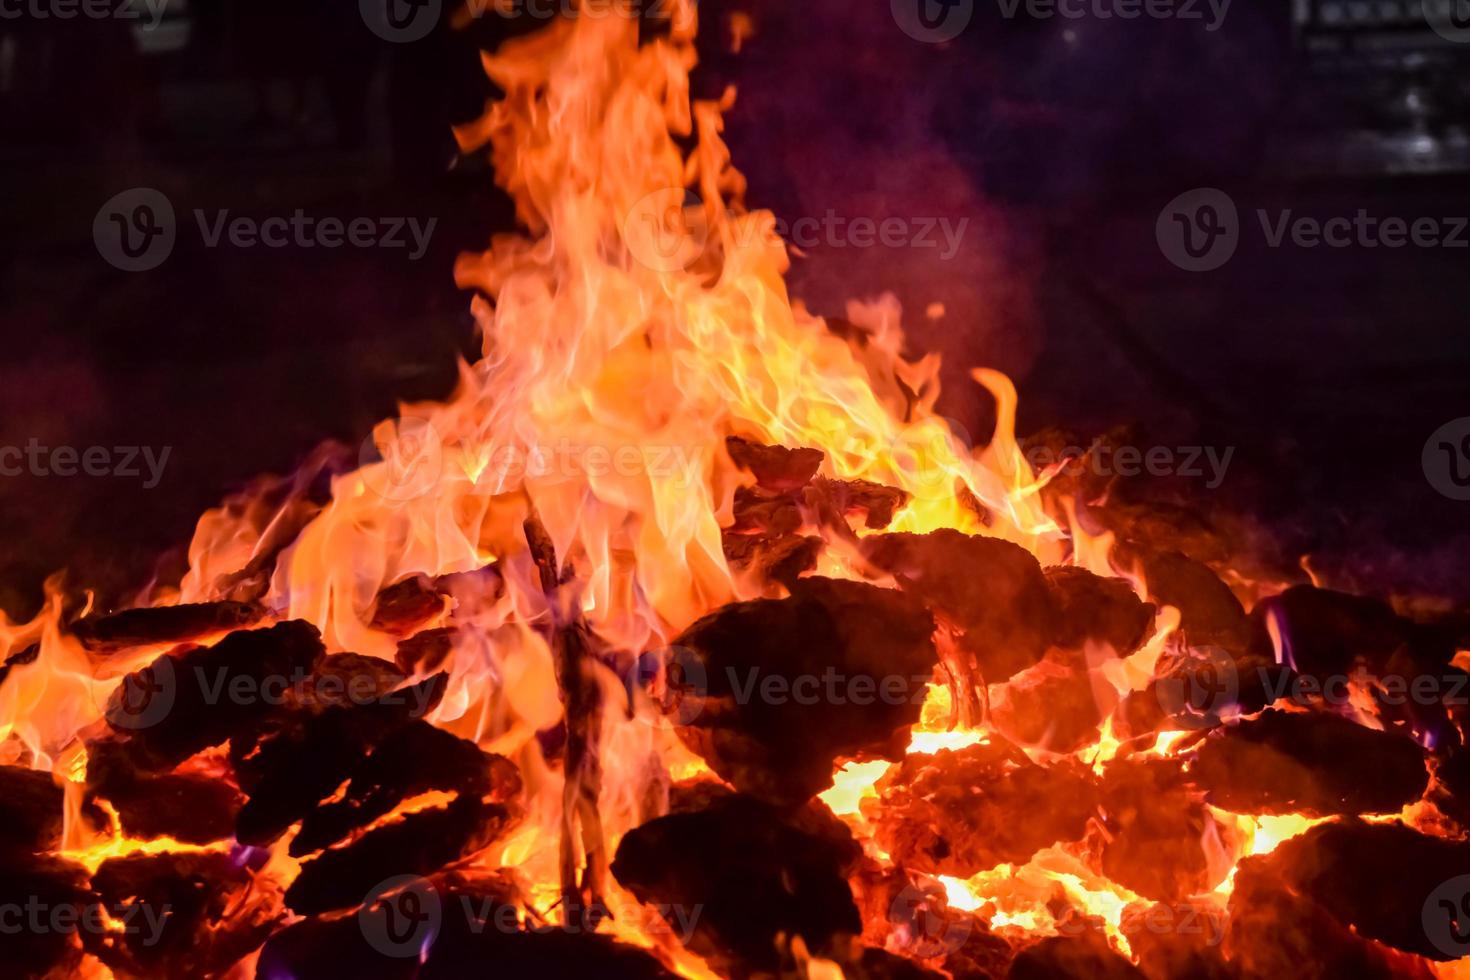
[572, 640]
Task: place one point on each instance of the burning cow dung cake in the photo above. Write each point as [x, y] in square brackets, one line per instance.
[684, 639]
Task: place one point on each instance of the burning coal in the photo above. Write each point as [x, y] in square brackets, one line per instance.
[685, 639]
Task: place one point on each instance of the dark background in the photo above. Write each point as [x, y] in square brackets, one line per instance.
[1060, 141]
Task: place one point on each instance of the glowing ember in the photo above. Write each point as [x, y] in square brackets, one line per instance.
[641, 321]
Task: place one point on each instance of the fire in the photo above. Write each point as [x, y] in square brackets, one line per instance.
[641, 320]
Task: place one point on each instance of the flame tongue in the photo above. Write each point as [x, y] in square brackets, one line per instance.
[641, 319]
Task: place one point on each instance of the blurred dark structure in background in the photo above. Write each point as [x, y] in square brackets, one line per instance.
[1058, 140]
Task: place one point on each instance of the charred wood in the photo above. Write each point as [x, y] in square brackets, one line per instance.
[426, 652]
[775, 467]
[991, 591]
[955, 812]
[583, 847]
[1090, 608]
[1210, 614]
[60, 888]
[405, 607]
[184, 702]
[1309, 907]
[159, 625]
[190, 807]
[1056, 705]
[1155, 829]
[195, 914]
[31, 810]
[1084, 957]
[774, 690]
[1310, 763]
[292, 768]
[770, 874]
[414, 759]
[781, 559]
[419, 844]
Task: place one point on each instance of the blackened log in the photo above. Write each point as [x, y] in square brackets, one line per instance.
[391, 936]
[961, 812]
[193, 914]
[775, 690]
[1198, 688]
[1210, 614]
[1331, 637]
[1090, 608]
[288, 772]
[1381, 879]
[766, 512]
[20, 658]
[190, 807]
[184, 702]
[536, 953]
[331, 949]
[1327, 633]
[775, 467]
[1155, 831]
[426, 652]
[768, 874]
[159, 625]
[1310, 763]
[343, 680]
[415, 759]
[405, 607]
[54, 887]
[1079, 471]
[1179, 940]
[1450, 791]
[1153, 526]
[1308, 908]
[990, 590]
[879, 964]
[1056, 705]
[419, 844]
[31, 810]
[1084, 957]
[773, 559]
[875, 503]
